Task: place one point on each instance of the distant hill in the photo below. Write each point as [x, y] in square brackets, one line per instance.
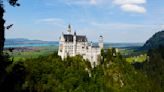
[26, 41]
[155, 41]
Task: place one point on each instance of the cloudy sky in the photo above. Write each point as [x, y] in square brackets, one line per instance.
[116, 20]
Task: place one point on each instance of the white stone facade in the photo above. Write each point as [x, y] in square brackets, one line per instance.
[72, 45]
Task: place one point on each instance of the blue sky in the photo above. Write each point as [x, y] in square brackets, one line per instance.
[116, 20]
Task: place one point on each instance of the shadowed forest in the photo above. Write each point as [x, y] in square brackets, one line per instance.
[50, 73]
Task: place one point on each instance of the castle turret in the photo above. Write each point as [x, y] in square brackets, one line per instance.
[101, 44]
[69, 29]
[74, 44]
[61, 49]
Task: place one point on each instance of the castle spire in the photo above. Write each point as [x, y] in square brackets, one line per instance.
[69, 29]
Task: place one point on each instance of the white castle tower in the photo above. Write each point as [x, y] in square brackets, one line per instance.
[69, 29]
[74, 44]
[101, 44]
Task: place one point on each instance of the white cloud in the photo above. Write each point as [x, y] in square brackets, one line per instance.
[80, 2]
[51, 21]
[133, 8]
[131, 5]
[136, 6]
[120, 26]
[120, 2]
[93, 1]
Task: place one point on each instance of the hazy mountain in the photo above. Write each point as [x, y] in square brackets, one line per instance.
[155, 41]
[25, 41]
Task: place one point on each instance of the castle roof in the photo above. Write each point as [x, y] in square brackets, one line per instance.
[79, 38]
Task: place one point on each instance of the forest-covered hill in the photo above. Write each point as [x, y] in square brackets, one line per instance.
[155, 41]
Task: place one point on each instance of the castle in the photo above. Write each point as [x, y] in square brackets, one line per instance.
[73, 44]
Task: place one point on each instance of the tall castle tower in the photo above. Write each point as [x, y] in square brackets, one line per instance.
[74, 44]
[69, 29]
[101, 44]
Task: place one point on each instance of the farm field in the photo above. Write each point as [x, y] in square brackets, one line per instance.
[31, 52]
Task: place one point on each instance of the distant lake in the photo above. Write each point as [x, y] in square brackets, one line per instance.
[106, 45]
[30, 45]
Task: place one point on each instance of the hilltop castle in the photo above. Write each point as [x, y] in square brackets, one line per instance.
[73, 44]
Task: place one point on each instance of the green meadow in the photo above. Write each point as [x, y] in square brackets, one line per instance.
[140, 58]
[132, 56]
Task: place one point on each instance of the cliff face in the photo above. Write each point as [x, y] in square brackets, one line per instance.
[155, 41]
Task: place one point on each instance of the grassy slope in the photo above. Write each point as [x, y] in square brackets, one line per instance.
[140, 58]
[133, 56]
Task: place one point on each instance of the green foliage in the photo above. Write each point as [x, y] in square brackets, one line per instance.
[154, 68]
[11, 75]
[74, 74]
[52, 74]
